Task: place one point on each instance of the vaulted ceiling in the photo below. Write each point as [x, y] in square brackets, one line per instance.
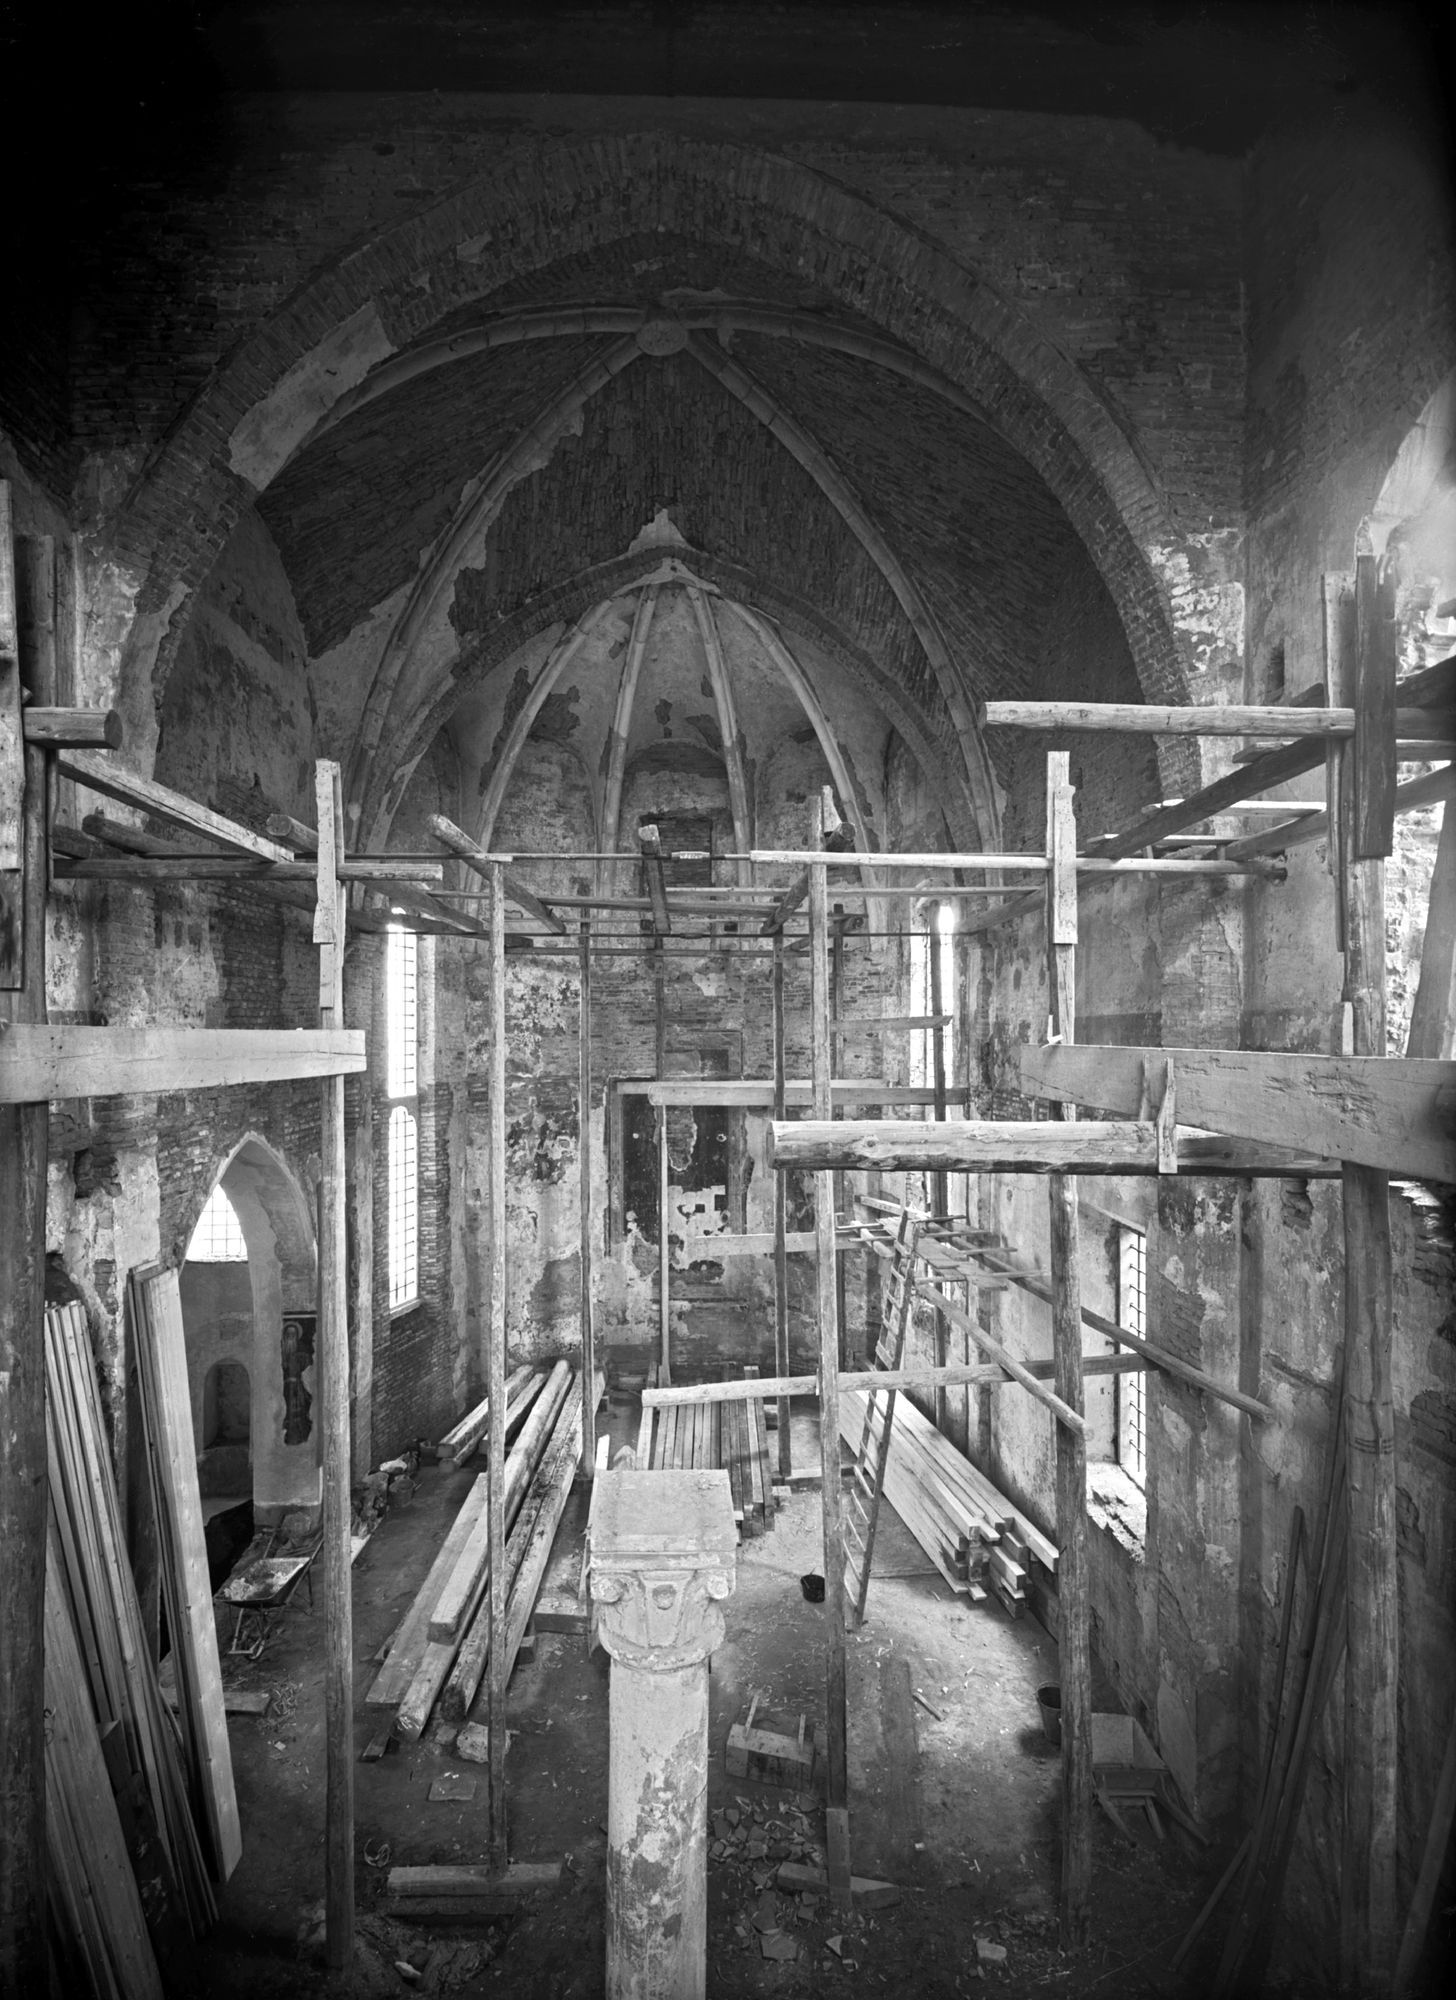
[489, 486]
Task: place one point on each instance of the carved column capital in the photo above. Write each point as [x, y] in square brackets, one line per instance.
[663, 1546]
[663, 1616]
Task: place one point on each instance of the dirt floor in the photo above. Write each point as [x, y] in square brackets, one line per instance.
[954, 1795]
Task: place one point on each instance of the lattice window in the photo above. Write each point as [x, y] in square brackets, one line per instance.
[218, 1237]
[1132, 1312]
[401, 1040]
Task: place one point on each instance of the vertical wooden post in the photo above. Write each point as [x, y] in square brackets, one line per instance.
[1433, 1016]
[781, 1217]
[1368, 1884]
[495, 1360]
[584, 1160]
[939, 1181]
[1074, 1623]
[837, 1045]
[664, 1256]
[23, 1129]
[329, 935]
[837, 1801]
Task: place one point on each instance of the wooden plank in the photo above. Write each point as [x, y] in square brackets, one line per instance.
[585, 1199]
[166, 1411]
[41, 1063]
[649, 840]
[1397, 1115]
[1074, 1628]
[408, 1645]
[245, 870]
[462, 1438]
[23, 1157]
[955, 1374]
[1428, 1880]
[1027, 1281]
[1314, 823]
[835, 1694]
[461, 1591]
[1433, 1014]
[781, 1217]
[664, 1251]
[1377, 725]
[1002, 1146]
[1148, 719]
[1065, 1414]
[1368, 1919]
[330, 931]
[73, 728]
[99, 773]
[102, 1899]
[874, 1024]
[495, 1356]
[474, 856]
[750, 1094]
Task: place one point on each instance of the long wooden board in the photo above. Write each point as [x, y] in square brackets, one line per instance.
[409, 1642]
[166, 1404]
[1022, 1146]
[748, 1093]
[39, 1063]
[100, 773]
[1396, 1114]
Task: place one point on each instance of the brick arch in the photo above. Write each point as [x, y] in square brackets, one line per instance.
[571, 197]
[571, 598]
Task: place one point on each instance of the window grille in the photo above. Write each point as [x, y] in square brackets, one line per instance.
[401, 1038]
[218, 1237]
[1132, 1312]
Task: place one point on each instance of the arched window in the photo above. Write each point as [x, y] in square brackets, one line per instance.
[218, 1237]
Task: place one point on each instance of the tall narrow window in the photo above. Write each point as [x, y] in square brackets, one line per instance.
[401, 1040]
[943, 994]
[1132, 1312]
[218, 1237]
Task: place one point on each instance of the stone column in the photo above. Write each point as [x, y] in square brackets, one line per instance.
[663, 1546]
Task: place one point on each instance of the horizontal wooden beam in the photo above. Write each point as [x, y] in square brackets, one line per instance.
[39, 1064]
[1395, 1113]
[876, 1024]
[1016, 1146]
[1016, 864]
[751, 1094]
[974, 1374]
[73, 728]
[1146, 719]
[100, 774]
[181, 867]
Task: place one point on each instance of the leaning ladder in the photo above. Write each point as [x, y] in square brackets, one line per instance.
[862, 1510]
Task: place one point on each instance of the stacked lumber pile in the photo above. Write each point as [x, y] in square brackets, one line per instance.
[129, 1839]
[978, 1541]
[731, 1437]
[439, 1653]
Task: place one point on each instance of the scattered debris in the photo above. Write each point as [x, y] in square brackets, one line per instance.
[990, 1953]
[407, 1972]
[454, 1785]
[928, 1706]
[775, 1944]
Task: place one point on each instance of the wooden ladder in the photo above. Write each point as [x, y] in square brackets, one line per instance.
[862, 1506]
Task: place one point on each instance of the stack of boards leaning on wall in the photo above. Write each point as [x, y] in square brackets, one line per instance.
[141, 1817]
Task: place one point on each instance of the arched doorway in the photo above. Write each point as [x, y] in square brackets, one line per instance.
[248, 1288]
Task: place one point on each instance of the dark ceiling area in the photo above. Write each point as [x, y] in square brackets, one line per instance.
[1210, 75]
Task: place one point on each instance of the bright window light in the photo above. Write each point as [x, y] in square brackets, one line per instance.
[218, 1237]
[1132, 1312]
[401, 1038]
